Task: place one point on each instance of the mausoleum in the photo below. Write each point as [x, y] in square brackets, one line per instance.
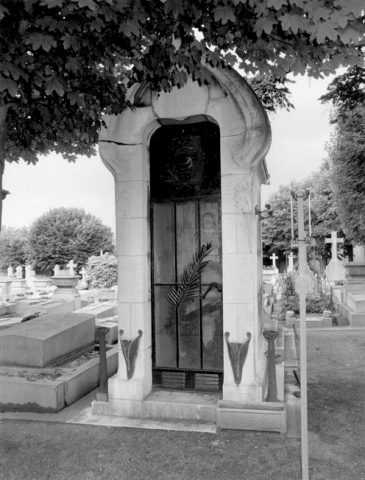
[188, 167]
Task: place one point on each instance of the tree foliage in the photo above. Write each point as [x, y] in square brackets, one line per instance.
[347, 153]
[13, 247]
[65, 234]
[66, 63]
[347, 150]
[346, 92]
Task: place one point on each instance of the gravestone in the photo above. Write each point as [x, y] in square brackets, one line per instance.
[335, 270]
[5, 292]
[291, 262]
[18, 284]
[40, 342]
[10, 271]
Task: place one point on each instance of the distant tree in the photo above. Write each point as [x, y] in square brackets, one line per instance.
[276, 229]
[346, 92]
[13, 247]
[347, 153]
[102, 271]
[65, 234]
[347, 150]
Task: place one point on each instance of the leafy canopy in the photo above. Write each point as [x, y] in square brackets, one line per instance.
[65, 63]
[347, 153]
[347, 150]
[65, 234]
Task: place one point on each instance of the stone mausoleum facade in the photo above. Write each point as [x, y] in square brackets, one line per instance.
[188, 167]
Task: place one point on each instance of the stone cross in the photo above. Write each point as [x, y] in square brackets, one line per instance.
[19, 271]
[273, 258]
[291, 262]
[334, 240]
[71, 266]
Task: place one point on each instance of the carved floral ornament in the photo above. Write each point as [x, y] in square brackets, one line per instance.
[237, 353]
[130, 352]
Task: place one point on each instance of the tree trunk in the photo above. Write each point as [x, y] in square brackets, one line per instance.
[3, 112]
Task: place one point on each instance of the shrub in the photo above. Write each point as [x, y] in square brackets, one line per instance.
[102, 272]
[290, 300]
[65, 234]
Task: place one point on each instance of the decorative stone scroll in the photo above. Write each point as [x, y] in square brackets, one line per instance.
[130, 352]
[237, 353]
[272, 390]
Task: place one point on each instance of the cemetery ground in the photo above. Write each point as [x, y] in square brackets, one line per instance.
[38, 450]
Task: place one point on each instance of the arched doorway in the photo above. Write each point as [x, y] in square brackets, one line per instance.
[185, 200]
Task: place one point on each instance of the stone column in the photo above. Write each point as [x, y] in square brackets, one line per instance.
[129, 166]
[241, 284]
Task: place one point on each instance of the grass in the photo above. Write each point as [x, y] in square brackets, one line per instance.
[336, 393]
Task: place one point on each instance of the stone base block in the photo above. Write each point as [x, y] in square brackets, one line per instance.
[123, 389]
[268, 417]
[163, 405]
[349, 317]
[356, 301]
[314, 322]
[33, 393]
[243, 393]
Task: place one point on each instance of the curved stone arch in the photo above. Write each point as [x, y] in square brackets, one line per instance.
[152, 127]
[229, 101]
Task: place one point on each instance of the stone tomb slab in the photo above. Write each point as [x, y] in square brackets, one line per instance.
[99, 310]
[41, 341]
[356, 301]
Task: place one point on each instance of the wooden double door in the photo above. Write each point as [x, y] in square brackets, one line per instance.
[187, 293]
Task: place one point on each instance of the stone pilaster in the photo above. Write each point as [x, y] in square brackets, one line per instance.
[129, 165]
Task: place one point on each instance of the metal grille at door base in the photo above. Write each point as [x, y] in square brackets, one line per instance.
[186, 380]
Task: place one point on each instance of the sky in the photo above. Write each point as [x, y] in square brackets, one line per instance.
[298, 145]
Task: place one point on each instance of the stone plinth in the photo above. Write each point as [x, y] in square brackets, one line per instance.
[41, 341]
[66, 288]
[352, 309]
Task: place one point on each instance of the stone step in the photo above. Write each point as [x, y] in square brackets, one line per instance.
[146, 423]
[164, 405]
